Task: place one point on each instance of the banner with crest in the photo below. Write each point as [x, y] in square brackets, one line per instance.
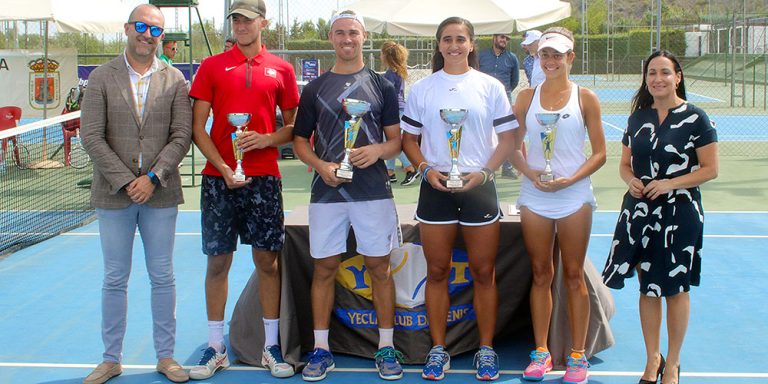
[23, 77]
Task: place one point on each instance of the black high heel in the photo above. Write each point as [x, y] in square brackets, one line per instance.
[659, 372]
[678, 374]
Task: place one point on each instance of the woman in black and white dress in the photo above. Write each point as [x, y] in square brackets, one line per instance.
[670, 148]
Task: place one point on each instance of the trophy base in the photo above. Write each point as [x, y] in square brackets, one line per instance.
[344, 174]
[546, 178]
[237, 177]
[454, 184]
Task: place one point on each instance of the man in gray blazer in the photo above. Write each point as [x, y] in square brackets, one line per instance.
[136, 126]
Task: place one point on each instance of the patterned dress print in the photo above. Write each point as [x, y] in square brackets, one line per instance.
[662, 236]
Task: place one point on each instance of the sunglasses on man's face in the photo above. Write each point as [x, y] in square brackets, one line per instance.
[141, 27]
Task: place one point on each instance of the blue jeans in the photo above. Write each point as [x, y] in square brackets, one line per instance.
[117, 228]
[403, 159]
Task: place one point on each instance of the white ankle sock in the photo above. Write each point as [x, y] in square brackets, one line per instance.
[216, 335]
[271, 329]
[386, 337]
[321, 339]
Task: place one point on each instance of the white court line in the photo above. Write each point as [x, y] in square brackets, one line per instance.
[616, 127]
[408, 370]
[598, 211]
[705, 97]
[87, 234]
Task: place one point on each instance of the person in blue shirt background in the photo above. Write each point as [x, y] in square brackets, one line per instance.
[498, 62]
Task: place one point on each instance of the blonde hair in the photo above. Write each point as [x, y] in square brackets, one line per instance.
[395, 56]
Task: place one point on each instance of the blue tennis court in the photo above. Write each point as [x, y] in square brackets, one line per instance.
[729, 127]
[50, 313]
[626, 94]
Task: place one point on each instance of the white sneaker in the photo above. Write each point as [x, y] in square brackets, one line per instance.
[211, 362]
[272, 358]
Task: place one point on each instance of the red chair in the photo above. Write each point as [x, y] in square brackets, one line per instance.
[69, 130]
[9, 118]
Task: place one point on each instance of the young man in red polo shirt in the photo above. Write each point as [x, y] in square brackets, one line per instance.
[245, 79]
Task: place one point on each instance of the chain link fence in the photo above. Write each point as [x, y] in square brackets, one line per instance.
[725, 63]
[724, 57]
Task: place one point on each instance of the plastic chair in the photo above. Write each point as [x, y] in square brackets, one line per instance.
[9, 118]
[69, 130]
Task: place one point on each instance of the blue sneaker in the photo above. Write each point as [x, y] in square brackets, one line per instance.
[272, 359]
[438, 362]
[487, 364]
[209, 363]
[388, 363]
[320, 361]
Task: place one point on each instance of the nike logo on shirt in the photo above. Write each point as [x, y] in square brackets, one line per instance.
[230, 68]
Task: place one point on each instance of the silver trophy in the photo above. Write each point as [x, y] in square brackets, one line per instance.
[549, 122]
[356, 109]
[455, 117]
[238, 120]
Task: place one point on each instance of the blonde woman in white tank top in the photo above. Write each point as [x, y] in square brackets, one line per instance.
[562, 207]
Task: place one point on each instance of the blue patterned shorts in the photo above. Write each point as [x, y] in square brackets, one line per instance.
[254, 212]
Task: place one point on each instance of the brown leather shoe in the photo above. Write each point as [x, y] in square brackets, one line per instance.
[172, 370]
[103, 372]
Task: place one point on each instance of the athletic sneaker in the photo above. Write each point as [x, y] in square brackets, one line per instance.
[392, 178]
[576, 370]
[211, 362]
[541, 363]
[388, 363]
[508, 173]
[272, 358]
[438, 362]
[487, 364]
[319, 363]
[410, 178]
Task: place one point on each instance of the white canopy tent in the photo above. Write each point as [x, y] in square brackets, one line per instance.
[102, 16]
[421, 17]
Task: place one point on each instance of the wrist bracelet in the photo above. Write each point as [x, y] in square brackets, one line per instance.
[418, 168]
[489, 174]
[426, 170]
[485, 176]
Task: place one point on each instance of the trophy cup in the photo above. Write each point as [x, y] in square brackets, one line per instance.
[356, 109]
[239, 120]
[549, 122]
[455, 117]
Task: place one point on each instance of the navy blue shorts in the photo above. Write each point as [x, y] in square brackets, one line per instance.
[254, 212]
[478, 206]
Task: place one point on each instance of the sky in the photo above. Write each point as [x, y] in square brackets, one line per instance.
[214, 10]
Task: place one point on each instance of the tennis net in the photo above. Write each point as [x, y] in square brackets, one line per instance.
[45, 177]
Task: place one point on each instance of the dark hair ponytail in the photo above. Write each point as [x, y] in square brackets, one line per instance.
[438, 62]
[643, 98]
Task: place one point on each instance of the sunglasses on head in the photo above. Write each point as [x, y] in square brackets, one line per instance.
[141, 27]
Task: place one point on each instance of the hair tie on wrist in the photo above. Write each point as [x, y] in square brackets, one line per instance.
[488, 173]
[426, 170]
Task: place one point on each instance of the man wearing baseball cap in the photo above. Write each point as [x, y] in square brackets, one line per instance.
[245, 79]
[365, 202]
[532, 64]
[503, 65]
[498, 62]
